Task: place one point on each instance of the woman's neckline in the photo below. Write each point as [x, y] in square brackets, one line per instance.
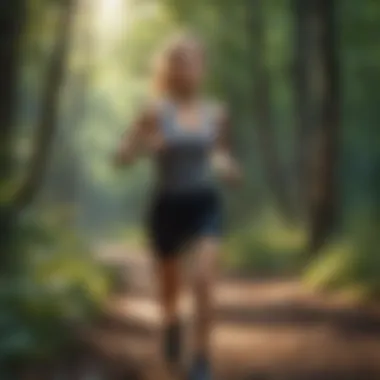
[195, 106]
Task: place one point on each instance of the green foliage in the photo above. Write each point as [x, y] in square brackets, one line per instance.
[59, 275]
[59, 285]
[132, 237]
[265, 247]
[352, 265]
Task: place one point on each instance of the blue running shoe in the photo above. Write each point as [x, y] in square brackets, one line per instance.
[201, 369]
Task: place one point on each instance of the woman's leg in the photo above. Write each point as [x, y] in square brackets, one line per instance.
[206, 268]
[169, 279]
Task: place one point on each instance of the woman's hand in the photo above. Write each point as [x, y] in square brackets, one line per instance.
[224, 163]
[141, 139]
[153, 142]
[123, 156]
[227, 168]
[235, 176]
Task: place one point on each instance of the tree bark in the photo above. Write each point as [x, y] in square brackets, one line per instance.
[12, 18]
[49, 109]
[66, 175]
[323, 190]
[273, 170]
[305, 48]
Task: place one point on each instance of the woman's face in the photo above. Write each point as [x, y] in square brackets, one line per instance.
[186, 69]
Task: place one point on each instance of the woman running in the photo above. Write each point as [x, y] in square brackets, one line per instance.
[187, 137]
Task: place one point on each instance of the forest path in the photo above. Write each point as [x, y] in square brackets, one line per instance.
[269, 330]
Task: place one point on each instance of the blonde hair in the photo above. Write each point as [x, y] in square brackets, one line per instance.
[161, 62]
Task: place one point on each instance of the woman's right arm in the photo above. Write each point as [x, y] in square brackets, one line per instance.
[132, 144]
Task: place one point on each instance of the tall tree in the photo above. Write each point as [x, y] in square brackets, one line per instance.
[275, 173]
[66, 174]
[305, 47]
[12, 17]
[49, 106]
[323, 184]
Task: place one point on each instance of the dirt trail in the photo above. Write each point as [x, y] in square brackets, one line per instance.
[268, 330]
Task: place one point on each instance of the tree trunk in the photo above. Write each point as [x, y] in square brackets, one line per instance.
[49, 109]
[323, 191]
[275, 173]
[305, 47]
[66, 174]
[12, 17]
[13, 13]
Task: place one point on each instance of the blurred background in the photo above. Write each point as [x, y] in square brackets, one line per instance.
[301, 78]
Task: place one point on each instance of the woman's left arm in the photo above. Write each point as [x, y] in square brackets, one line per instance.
[224, 159]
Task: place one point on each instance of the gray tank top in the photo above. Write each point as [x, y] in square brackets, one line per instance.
[185, 163]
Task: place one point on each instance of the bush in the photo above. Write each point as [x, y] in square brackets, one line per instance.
[266, 248]
[57, 285]
[352, 265]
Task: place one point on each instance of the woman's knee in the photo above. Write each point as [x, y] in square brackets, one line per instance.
[206, 263]
[169, 276]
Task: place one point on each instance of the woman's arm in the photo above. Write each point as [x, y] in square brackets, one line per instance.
[224, 159]
[133, 142]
